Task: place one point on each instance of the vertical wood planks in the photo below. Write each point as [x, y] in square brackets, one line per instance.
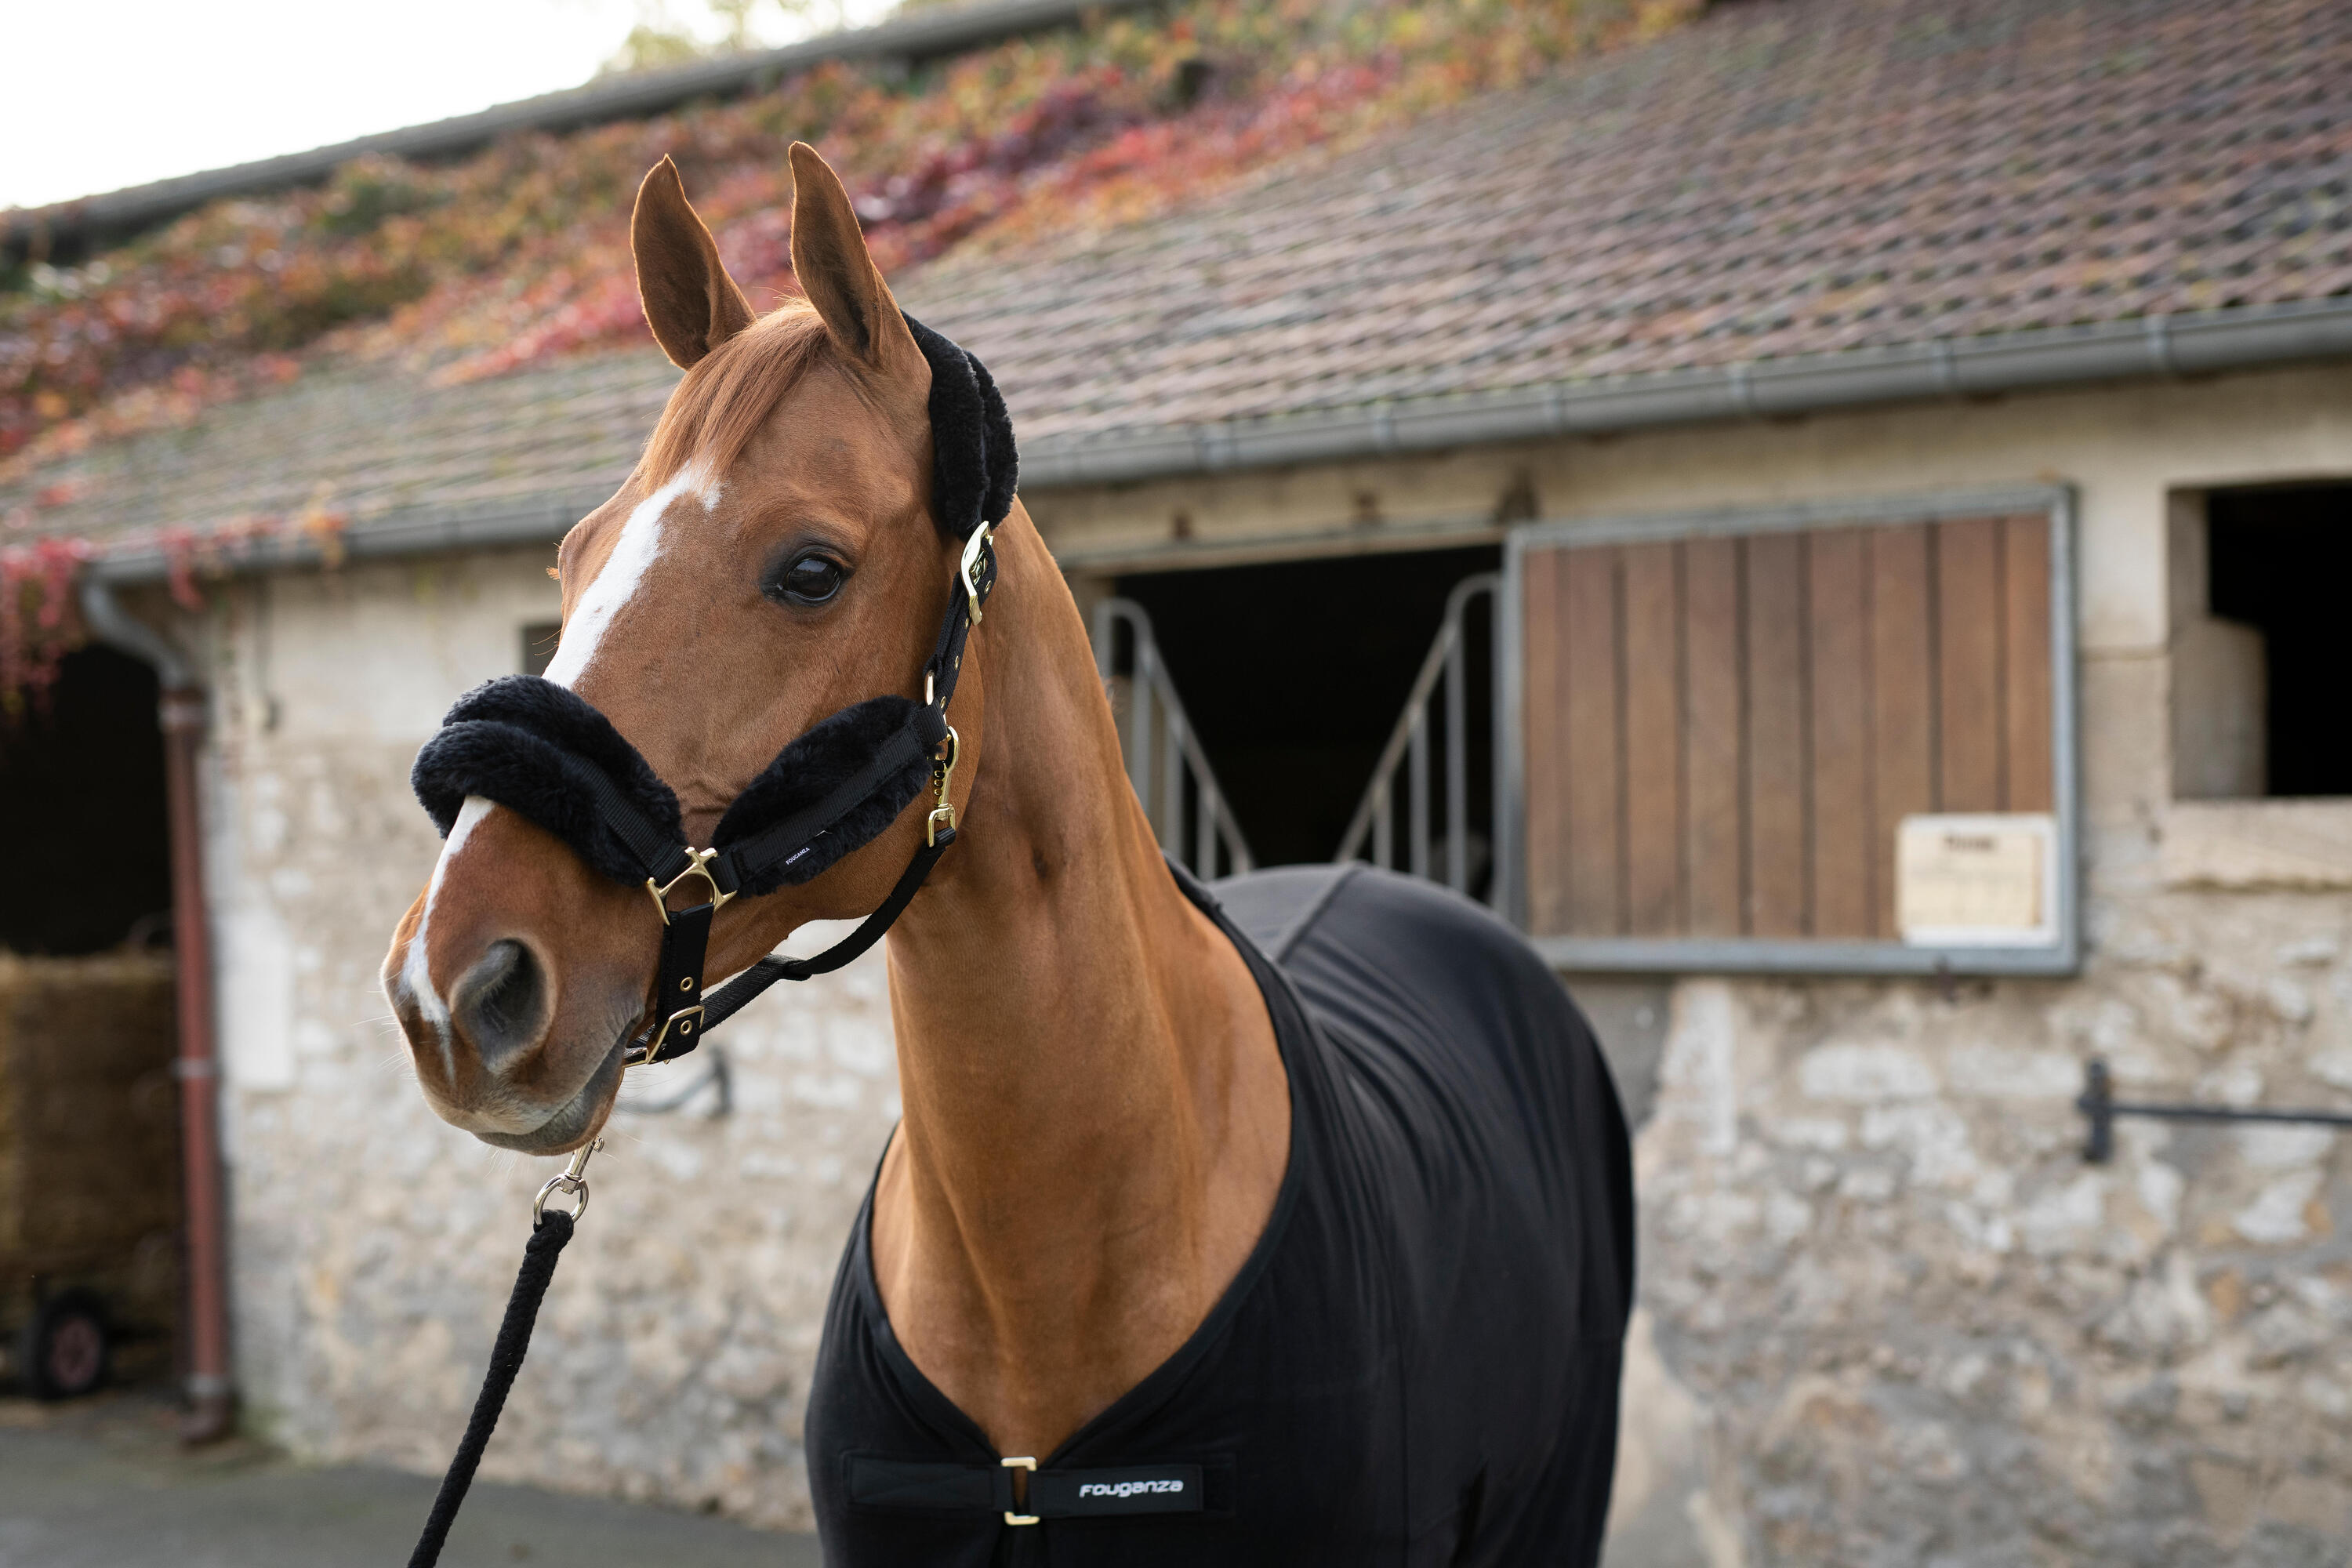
[1652, 741]
[1543, 743]
[1902, 697]
[1590, 642]
[1715, 852]
[1723, 733]
[1843, 862]
[1778, 852]
[2028, 782]
[1968, 663]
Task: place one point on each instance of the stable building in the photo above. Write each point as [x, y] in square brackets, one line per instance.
[1826, 520]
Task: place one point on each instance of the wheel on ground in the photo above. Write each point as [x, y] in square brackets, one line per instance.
[66, 1347]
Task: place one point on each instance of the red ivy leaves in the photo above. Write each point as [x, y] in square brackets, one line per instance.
[36, 624]
[520, 253]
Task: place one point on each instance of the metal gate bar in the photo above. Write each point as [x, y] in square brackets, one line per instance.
[1154, 728]
[1408, 750]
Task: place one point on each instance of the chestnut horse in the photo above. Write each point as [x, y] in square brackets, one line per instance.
[1097, 1117]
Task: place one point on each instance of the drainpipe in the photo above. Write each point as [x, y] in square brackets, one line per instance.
[211, 1405]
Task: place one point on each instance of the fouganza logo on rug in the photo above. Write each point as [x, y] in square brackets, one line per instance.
[1130, 1488]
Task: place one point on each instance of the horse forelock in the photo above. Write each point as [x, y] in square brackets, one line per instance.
[729, 394]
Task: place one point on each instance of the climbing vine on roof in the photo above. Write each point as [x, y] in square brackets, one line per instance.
[519, 252]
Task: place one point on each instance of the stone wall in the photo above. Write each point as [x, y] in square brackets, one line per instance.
[1898, 1319]
[1920, 1328]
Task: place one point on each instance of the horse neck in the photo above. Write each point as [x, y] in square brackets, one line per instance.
[1094, 1114]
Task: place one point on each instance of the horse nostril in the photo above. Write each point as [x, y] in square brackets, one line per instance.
[501, 1003]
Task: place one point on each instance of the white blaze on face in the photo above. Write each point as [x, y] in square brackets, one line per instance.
[634, 554]
[623, 571]
[415, 968]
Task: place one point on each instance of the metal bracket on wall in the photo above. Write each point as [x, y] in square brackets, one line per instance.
[2100, 1105]
[718, 1075]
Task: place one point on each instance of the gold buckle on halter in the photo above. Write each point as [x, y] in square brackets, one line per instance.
[684, 1021]
[943, 814]
[968, 571]
[702, 867]
[1029, 1465]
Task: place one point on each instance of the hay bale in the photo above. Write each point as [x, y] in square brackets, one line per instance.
[90, 1134]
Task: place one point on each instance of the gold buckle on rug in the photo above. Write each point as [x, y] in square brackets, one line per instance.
[1029, 1465]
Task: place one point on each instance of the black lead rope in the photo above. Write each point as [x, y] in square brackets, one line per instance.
[548, 1234]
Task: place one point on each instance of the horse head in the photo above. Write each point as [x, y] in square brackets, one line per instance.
[772, 560]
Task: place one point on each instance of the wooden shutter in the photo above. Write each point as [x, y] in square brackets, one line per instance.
[1722, 731]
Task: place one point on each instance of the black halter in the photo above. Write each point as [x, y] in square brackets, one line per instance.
[539, 749]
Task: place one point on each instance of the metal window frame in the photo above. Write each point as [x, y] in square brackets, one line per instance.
[1761, 956]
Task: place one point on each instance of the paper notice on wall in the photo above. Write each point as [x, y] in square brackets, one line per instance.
[1978, 880]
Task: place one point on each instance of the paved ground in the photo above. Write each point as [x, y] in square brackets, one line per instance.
[101, 1484]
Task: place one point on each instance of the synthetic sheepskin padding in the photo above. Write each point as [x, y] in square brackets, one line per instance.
[534, 746]
[1003, 459]
[805, 772]
[974, 464]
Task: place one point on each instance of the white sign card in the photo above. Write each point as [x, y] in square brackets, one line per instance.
[1979, 880]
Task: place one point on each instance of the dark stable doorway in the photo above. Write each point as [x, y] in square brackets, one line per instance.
[2279, 560]
[81, 792]
[1293, 673]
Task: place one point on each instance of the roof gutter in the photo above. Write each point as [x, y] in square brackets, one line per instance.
[2185, 343]
[925, 36]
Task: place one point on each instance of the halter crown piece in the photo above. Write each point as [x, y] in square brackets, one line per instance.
[539, 749]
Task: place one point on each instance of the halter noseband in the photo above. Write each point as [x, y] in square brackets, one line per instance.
[539, 750]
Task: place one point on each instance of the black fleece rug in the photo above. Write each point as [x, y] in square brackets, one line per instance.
[1419, 1362]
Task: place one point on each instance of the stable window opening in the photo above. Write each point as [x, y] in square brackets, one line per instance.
[81, 779]
[2257, 643]
[1293, 675]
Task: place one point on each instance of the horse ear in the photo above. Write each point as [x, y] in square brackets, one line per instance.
[837, 274]
[690, 303]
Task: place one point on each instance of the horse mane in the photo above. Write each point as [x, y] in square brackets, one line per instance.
[729, 393]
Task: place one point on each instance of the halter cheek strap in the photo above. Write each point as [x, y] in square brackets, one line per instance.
[682, 1014]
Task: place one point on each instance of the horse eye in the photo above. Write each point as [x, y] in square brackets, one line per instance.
[810, 579]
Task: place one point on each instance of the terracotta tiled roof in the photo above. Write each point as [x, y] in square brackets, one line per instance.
[366, 443]
[1785, 177]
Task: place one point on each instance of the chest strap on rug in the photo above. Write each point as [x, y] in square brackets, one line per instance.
[971, 1491]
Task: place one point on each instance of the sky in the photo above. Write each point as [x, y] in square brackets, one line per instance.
[101, 94]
